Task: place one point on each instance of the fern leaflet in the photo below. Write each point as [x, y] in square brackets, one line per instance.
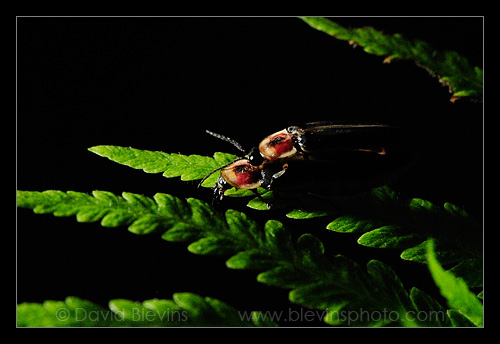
[188, 167]
[452, 69]
[184, 310]
[382, 219]
[338, 286]
[455, 290]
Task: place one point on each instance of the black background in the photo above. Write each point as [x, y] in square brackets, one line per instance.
[158, 83]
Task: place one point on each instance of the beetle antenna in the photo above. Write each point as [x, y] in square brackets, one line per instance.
[217, 169]
[208, 175]
[227, 139]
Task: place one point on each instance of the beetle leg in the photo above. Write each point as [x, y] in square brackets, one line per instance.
[268, 203]
[277, 175]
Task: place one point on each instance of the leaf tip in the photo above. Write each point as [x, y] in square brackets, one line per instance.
[99, 150]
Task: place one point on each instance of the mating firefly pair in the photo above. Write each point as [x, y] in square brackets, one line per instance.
[316, 146]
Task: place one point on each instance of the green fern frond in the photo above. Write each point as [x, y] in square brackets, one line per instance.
[452, 69]
[383, 220]
[455, 290]
[184, 310]
[336, 286]
[188, 167]
[185, 220]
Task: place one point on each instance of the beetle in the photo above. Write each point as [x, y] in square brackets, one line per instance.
[243, 174]
[321, 156]
[321, 139]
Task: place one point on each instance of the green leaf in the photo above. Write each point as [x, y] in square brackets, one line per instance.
[185, 309]
[179, 220]
[418, 253]
[211, 245]
[384, 220]
[263, 320]
[188, 167]
[259, 203]
[388, 237]
[430, 312]
[137, 211]
[281, 276]
[245, 228]
[72, 312]
[471, 271]
[310, 248]
[182, 232]
[338, 287]
[350, 224]
[278, 239]
[454, 289]
[300, 214]
[459, 320]
[251, 259]
[452, 69]
[349, 296]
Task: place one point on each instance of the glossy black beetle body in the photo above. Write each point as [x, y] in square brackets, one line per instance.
[321, 139]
